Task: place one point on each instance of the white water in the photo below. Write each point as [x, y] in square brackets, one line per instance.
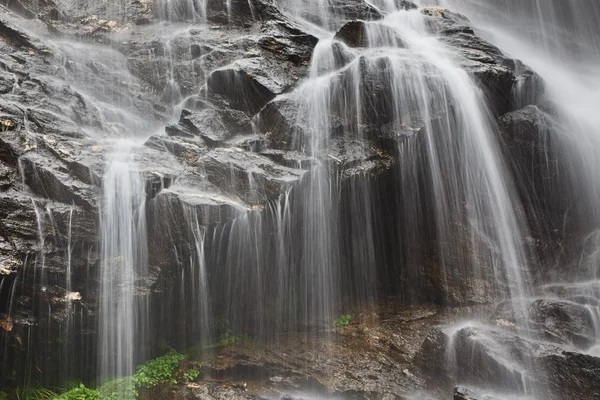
[560, 41]
[466, 173]
[124, 257]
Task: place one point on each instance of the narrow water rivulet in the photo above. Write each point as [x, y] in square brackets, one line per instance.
[299, 199]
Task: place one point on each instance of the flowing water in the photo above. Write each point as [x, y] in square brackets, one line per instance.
[457, 203]
[124, 252]
[559, 40]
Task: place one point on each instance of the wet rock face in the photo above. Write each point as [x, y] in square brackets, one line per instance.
[368, 359]
[223, 12]
[239, 145]
[354, 34]
[557, 212]
[499, 358]
[363, 34]
[463, 393]
[530, 136]
[343, 10]
[241, 88]
[565, 322]
[573, 375]
[494, 71]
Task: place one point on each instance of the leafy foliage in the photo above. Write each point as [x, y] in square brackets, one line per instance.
[344, 320]
[190, 375]
[33, 392]
[119, 389]
[160, 371]
[80, 393]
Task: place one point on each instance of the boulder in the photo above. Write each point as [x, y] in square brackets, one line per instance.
[286, 41]
[406, 5]
[15, 36]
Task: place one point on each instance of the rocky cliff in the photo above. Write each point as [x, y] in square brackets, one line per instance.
[212, 95]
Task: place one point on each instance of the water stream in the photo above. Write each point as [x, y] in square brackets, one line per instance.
[122, 314]
[451, 215]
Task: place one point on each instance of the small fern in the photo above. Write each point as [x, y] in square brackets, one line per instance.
[33, 392]
[344, 320]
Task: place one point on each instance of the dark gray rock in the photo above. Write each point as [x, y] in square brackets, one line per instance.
[354, 10]
[564, 322]
[364, 34]
[287, 42]
[406, 5]
[572, 375]
[7, 81]
[248, 176]
[51, 179]
[19, 7]
[234, 11]
[14, 36]
[243, 89]
[463, 393]
[497, 359]
[354, 34]
[215, 126]
[531, 138]
[495, 72]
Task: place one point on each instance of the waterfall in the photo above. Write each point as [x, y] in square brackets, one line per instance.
[122, 311]
[311, 198]
[465, 172]
[559, 42]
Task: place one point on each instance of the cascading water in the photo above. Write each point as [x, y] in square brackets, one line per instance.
[559, 41]
[381, 178]
[464, 171]
[122, 312]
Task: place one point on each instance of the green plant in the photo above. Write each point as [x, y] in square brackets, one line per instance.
[227, 339]
[119, 389]
[344, 320]
[70, 385]
[3, 396]
[79, 393]
[190, 375]
[33, 392]
[160, 371]
[221, 326]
